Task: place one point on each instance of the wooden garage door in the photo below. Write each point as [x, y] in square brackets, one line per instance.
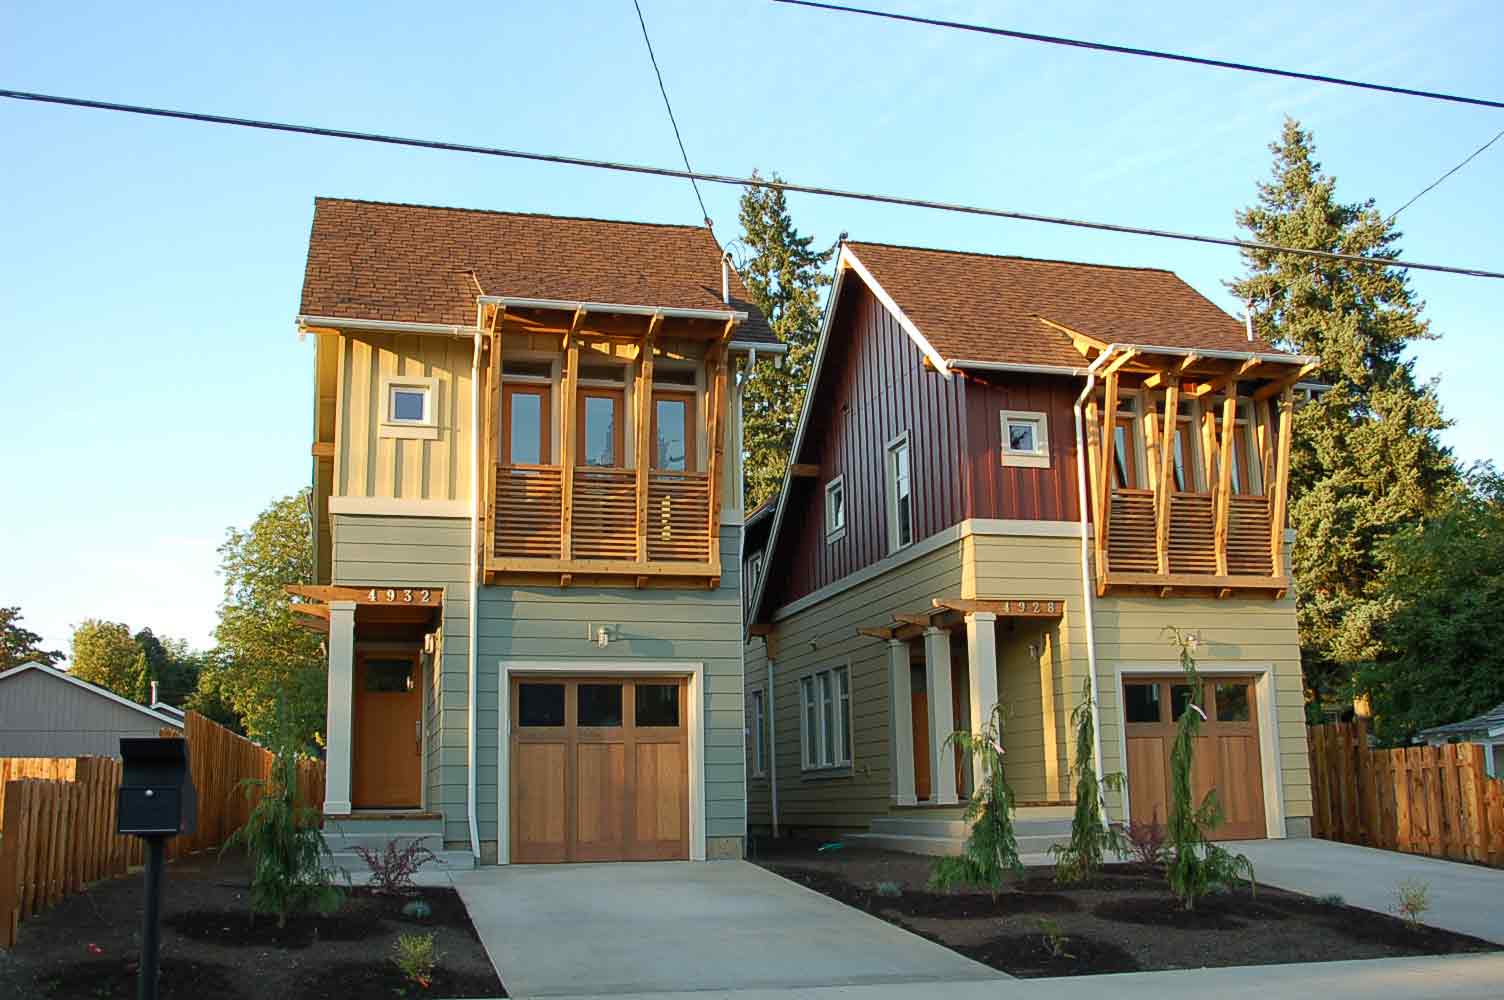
[600, 769]
[1227, 753]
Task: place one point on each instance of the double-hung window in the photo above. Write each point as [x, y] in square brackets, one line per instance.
[825, 710]
[900, 494]
[835, 509]
[757, 717]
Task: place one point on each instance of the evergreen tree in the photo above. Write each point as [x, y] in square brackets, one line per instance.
[784, 276]
[1366, 459]
[990, 853]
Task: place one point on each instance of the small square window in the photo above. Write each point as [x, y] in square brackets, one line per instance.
[835, 509]
[1025, 439]
[409, 407]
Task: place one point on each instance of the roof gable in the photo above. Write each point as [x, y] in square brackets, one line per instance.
[414, 264]
[978, 307]
[94, 689]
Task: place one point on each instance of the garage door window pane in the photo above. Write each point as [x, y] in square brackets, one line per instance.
[1180, 697]
[1232, 702]
[657, 704]
[540, 704]
[599, 705]
[1141, 702]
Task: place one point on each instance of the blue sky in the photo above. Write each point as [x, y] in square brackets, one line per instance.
[155, 391]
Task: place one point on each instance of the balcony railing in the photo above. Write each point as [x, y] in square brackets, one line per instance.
[608, 533]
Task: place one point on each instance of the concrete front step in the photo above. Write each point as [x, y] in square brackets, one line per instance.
[942, 835]
[374, 832]
[921, 826]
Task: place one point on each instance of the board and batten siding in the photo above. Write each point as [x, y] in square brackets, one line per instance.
[1011, 491]
[423, 552]
[692, 625]
[43, 716]
[370, 464]
[874, 388]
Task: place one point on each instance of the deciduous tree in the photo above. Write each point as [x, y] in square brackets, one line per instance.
[1366, 461]
[784, 275]
[104, 653]
[19, 645]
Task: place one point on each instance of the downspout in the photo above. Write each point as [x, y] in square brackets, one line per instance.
[772, 762]
[1088, 590]
[472, 598]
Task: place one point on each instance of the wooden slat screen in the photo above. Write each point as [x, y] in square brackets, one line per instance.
[529, 509]
[1248, 536]
[1130, 545]
[678, 517]
[605, 513]
[1192, 531]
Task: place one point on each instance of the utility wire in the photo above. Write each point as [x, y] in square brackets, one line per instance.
[671, 120]
[1427, 189]
[1128, 50]
[744, 182]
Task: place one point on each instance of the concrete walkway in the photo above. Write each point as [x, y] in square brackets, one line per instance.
[1467, 899]
[1464, 977]
[613, 929]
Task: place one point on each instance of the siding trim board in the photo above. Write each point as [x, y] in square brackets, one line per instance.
[695, 723]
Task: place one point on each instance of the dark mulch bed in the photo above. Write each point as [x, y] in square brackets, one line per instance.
[88, 945]
[1115, 923]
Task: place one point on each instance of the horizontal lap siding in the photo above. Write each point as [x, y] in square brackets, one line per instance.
[424, 552]
[1001, 491]
[692, 625]
[874, 387]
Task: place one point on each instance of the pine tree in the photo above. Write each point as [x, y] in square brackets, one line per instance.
[784, 275]
[1366, 459]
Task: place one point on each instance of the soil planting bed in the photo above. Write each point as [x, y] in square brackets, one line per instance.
[88, 945]
[1115, 923]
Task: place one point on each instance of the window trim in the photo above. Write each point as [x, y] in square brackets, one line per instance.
[426, 429]
[890, 489]
[814, 761]
[757, 711]
[1039, 458]
[834, 533]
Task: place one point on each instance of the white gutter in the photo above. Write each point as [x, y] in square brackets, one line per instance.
[1088, 591]
[772, 762]
[1008, 366]
[384, 325]
[473, 599]
[513, 302]
[1179, 352]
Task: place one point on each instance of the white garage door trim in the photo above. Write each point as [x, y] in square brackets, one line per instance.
[695, 721]
[1269, 761]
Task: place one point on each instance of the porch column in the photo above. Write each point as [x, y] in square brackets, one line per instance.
[902, 722]
[341, 707]
[981, 660]
[942, 718]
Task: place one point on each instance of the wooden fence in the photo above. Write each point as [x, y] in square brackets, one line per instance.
[57, 816]
[1437, 801]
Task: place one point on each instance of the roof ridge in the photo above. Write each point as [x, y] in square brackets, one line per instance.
[513, 215]
[1017, 257]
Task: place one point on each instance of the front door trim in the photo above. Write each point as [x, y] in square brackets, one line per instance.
[1268, 715]
[694, 721]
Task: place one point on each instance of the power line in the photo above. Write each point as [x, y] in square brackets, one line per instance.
[734, 181]
[671, 120]
[1129, 50]
[1427, 189]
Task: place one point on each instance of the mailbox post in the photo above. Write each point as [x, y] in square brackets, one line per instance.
[157, 801]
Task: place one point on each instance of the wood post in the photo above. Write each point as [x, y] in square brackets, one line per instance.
[1109, 467]
[645, 442]
[1164, 484]
[1281, 491]
[491, 438]
[1223, 493]
[567, 440]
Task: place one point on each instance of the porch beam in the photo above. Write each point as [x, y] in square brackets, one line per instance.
[1279, 385]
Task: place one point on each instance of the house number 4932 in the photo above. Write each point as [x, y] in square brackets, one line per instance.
[405, 596]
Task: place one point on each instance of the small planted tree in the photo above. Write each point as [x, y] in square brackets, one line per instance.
[1197, 866]
[991, 850]
[284, 843]
[1091, 836]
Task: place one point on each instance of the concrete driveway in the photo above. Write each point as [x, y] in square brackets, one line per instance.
[668, 927]
[1464, 898]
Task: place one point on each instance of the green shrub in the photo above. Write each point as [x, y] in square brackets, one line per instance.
[285, 846]
[1197, 866]
[1412, 900]
[1091, 837]
[991, 849]
[417, 956]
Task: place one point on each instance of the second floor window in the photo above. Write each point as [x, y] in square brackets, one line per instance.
[673, 431]
[1124, 454]
[835, 509]
[526, 439]
[900, 495]
[1026, 439]
[600, 427]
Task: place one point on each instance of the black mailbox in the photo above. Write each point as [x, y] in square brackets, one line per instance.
[157, 798]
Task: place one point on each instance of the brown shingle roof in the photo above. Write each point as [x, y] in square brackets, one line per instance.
[978, 307]
[383, 261]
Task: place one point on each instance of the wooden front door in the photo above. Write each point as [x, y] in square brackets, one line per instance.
[599, 769]
[387, 756]
[1227, 752]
